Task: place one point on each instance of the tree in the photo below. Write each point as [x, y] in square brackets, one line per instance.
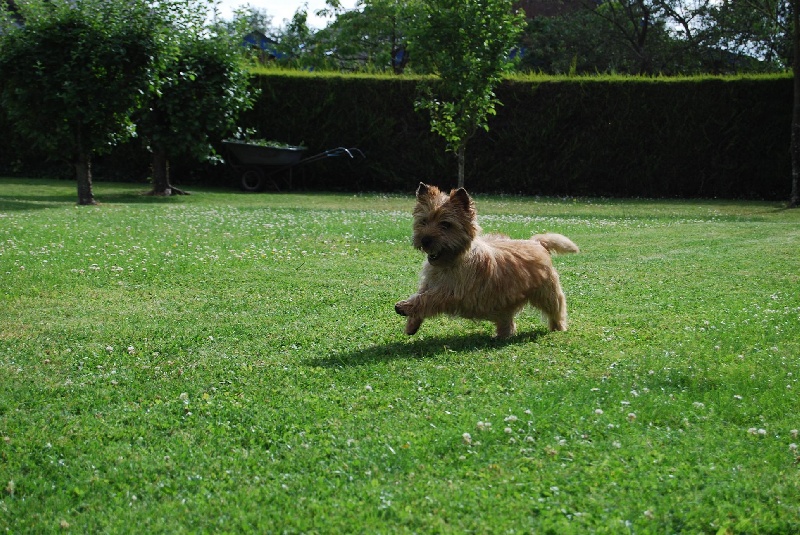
[296, 41]
[374, 35]
[203, 88]
[253, 19]
[794, 196]
[574, 43]
[653, 37]
[782, 17]
[73, 73]
[467, 44]
[759, 28]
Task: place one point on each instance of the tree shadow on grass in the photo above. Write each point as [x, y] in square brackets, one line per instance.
[17, 203]
[8, 205]
[422, 348]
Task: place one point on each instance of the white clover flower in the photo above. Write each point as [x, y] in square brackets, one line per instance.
[368, 388]
[467, 438]
[598, 411]
[794, 433]
[511, 418]
[698, 405]
[483, 426]
[508, 430]
[109, 348]
[753, 431]
[131, 350]
[631, 416]
[793, 447]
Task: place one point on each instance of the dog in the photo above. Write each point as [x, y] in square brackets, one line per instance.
[483, 277]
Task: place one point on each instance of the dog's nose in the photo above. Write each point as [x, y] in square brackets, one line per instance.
[426, 241]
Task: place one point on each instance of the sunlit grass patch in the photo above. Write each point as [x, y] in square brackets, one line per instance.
[228, 362]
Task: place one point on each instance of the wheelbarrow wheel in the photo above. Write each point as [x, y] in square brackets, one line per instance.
[253, 179]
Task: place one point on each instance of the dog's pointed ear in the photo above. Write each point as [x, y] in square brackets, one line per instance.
[461, 198]
[425, 191]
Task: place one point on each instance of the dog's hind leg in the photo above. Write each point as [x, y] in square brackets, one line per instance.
[551, 301]
[554, 309]
[506, 327]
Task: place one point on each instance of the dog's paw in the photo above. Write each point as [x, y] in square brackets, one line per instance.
[412, 325]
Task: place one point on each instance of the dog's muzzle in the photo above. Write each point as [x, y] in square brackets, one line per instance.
[425, 244]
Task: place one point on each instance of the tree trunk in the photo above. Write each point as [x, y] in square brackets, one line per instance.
[794, 197]
[83, 173]
[161, 185]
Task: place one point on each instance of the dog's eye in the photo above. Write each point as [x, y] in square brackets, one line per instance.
[445, 225]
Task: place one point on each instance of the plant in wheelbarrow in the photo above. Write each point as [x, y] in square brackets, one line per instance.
[204, 89]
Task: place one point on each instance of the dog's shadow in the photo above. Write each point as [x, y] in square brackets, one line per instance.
[421, 348]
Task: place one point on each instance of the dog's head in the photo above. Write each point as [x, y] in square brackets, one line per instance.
[444, 225]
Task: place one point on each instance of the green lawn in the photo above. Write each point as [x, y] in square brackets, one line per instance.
[227, 362]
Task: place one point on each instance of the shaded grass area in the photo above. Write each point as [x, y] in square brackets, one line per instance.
[227, 362]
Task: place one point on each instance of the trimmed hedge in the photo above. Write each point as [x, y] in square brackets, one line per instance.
[623, 137]
[706, 137]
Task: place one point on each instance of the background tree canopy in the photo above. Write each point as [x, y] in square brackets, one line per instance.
[72, 76]
[78, 77]
[569, 37]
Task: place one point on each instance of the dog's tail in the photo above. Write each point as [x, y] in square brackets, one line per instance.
[556, 243]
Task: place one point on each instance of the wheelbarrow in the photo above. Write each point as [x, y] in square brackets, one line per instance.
[251, 159]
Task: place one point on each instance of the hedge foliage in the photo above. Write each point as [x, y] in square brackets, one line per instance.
[693, 137]
[625, 137]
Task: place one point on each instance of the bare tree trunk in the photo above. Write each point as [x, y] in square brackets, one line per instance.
[161, 185]
[83, 173]
[794, 197]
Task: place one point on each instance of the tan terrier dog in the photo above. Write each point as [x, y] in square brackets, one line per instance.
[486, 277]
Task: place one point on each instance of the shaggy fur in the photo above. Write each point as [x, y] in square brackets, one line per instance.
[487, 277]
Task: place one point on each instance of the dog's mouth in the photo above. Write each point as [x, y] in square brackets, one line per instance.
[440, 256]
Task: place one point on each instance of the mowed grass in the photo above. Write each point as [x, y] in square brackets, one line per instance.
[227, 362]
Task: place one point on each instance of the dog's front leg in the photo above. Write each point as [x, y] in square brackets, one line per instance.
[408, 308]
[412, 325]
[418, 307]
